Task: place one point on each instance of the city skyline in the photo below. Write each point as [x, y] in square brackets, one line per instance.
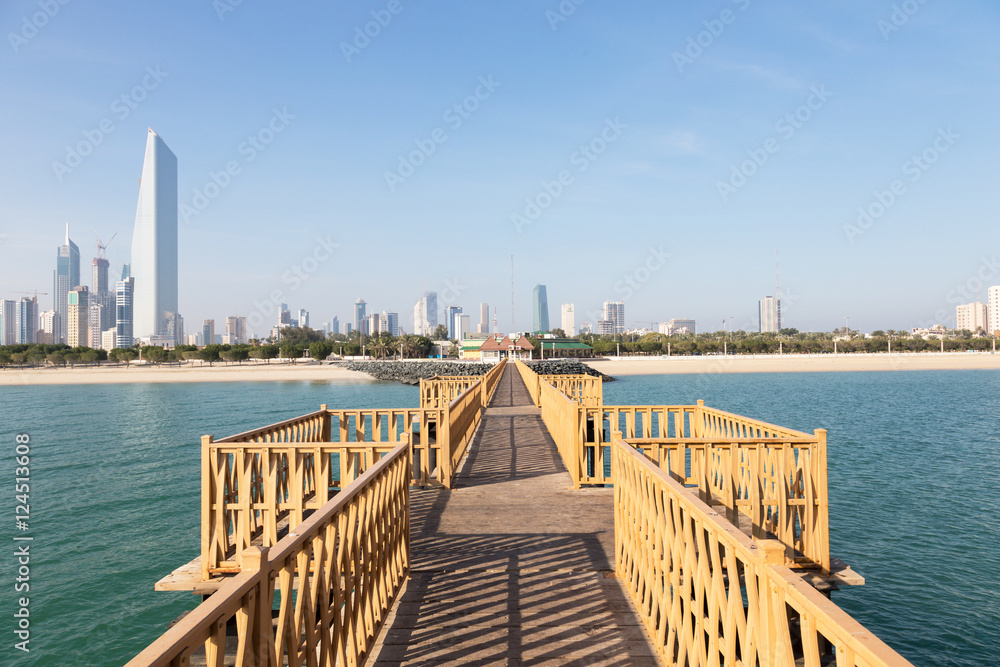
[794, 129]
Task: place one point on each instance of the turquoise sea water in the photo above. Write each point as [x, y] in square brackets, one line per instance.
[914, 474]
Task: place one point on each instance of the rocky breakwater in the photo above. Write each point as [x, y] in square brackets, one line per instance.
[411, 372]
[566, 367]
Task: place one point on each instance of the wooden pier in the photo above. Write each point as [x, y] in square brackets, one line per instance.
[512, 566]
[516, 519]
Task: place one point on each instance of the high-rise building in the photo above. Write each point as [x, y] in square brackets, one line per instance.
[236, 327]
[95, 320]
[768, 307]
[348, 328]
[359, 316]
[540, 310]
[99, 266]
[993, 310]
[27, 319]
[614, 312]
[303, 317]
[605, 327]
[64, 278]
[154, 241]
[335, 325]
[972, 316]
[484, 318]
[425, 316]
[78, 318]
[389, 322]
[124, 325]
[373, 324]
[8, 322]
[463, 326]
[48, 331]
[568, 319]
[450, 314]
[284, 316]
[109, 339]
[208, 332]
[675, 327]
[174, 328]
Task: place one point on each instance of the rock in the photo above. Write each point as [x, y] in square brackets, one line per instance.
[566, 367]
[411, 372]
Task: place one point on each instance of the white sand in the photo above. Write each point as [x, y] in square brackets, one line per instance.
[186, 372]
[790, 363]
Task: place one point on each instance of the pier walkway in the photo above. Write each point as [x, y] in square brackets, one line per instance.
[512, 566]
[515, 518]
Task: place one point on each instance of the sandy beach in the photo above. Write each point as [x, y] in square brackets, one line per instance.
[795, 363]
[183, 373]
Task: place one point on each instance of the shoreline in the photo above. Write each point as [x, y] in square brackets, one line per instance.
[796, 363]
[613, 366]
[137, 374]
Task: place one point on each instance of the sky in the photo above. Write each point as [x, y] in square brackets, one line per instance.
[661, 154]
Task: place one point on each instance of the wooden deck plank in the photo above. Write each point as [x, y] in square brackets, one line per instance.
[513, 567]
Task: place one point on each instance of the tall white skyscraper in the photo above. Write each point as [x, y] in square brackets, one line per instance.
[568, 319]
[425, 316]
[65, 278]
[154, 241]
[993, 309]
[768, 307]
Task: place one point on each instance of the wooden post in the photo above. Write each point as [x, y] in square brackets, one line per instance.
[699, 414]
[824, 500]
[260, 637]
[771, 553]
[206, 505]
[325, 437]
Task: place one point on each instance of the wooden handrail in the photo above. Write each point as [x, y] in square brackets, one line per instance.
[691, 595]
[343, 568]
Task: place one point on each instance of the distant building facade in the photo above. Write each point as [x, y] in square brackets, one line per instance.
[48, 331]
[208, 332]
[972, 316]
[65, 277]
[425, 319]
[540, 309]
[484, 318]
[614, 312]
[78, 326]
[676, 327]
[360, 309]
[568, 319]
[8, 322]
[993, 308]
[27, 319]
[236, 329]
[768, 314]
[451, 321]
[124, 292]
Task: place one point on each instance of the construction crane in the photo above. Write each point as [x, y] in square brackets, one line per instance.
[36, 293]
[653, 326]
[102, 247]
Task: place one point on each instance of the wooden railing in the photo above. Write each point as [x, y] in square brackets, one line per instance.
[438, 392]
[581, 389]
[334, 579]
[251, 488]
[562, 419]
[258, 482]
[530, 379]
[710, 595]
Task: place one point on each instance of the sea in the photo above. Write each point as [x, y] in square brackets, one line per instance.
[914, 479]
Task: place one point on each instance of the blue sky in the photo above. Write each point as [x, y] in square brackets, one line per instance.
[644, 143]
